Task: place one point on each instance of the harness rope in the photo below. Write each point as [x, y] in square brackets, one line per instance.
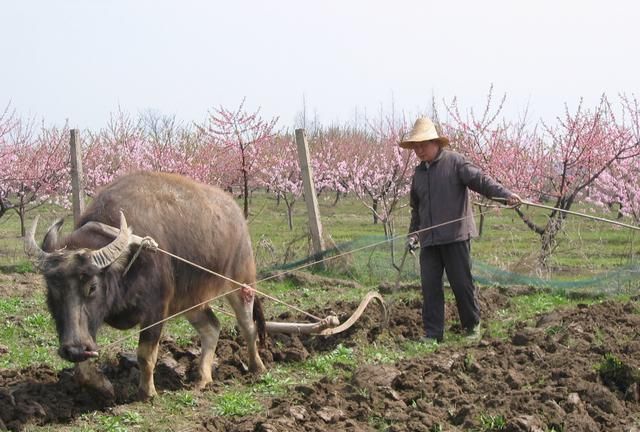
[240, 286]
[596, 218]
[190, 428]
[150, 244]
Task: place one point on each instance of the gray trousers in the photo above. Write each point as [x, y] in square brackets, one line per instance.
[455, 259]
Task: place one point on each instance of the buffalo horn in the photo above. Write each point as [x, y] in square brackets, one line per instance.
[105, 256]
[31, 248]
[51, 237]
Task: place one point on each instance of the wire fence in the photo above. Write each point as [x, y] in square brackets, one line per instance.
[374, 259]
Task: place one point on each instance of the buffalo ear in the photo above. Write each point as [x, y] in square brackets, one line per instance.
[50, 242]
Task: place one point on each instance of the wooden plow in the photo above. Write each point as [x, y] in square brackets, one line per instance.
[329, 325]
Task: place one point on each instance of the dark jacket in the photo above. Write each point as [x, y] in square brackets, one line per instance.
[439, 194]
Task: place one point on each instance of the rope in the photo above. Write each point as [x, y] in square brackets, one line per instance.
[238, 283]
[596, 218]
[147, 242]
[119, 341]
[151, 245]
[368, 246]
[240, 286]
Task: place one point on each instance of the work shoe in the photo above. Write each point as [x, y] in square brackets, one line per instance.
[474, 333]
[427, 340]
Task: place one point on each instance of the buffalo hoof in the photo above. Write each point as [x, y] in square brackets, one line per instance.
[257, 368]
[201, 384]
[144, 395]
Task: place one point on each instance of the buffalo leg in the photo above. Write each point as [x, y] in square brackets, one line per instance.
[208, 327]
[244, 316]
[147, 356]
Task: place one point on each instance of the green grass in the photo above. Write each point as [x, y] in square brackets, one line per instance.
[389, 352]
[415, 349]
[10, 305]
[275, 382]
[12, 257]
[239, 400]
[332, 364]
[100, 422]
[524, 308]
[21, 267]
[469, 359]
[380, 353]
[26, 321]
[492, 423]
[586, 248]
[28, 334]
[236, 403]
[616, 373]
[379, 423]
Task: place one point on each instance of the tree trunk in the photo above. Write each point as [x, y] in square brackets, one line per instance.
[246, 195]
[290, 216]
[481, 224]
[549, 239]
[375, 211]
[335, 202]
[245, 184]
[21, 212]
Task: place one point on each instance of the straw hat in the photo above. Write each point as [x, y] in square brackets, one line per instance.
[423, 130]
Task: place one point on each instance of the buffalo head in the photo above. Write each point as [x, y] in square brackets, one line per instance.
[77, 286]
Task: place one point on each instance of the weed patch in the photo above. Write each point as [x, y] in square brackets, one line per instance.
[112, 423]
[236, 403]
[10, 306]
[492, 423]
[328, 364]
[616, 374]
[20, 268]
[274, 383]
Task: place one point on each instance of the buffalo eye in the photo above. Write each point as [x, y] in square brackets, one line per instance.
[91, 289]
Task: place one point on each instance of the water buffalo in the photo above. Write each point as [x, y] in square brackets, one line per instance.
[87, 285]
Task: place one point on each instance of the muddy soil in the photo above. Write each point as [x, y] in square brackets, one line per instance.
[19, 284]
[543, 377]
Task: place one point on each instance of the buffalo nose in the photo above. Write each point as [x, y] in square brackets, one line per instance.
[76, 353]
[69, 352]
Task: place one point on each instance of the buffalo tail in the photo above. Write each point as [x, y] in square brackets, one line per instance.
[258, 318]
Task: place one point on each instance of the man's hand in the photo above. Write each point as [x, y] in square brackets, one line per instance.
[412, 242]
[514, 200]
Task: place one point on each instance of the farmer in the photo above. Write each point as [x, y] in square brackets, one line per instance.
[440, 196]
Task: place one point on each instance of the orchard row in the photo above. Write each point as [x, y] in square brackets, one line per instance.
[590, 153]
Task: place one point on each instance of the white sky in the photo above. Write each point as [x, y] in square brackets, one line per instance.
[80, 60]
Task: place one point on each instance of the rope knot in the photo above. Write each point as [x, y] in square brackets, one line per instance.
[147, 243]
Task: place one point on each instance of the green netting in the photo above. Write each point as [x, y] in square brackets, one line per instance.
[372, 260]
[620, 280]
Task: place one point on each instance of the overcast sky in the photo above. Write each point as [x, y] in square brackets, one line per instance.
[80, 60]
